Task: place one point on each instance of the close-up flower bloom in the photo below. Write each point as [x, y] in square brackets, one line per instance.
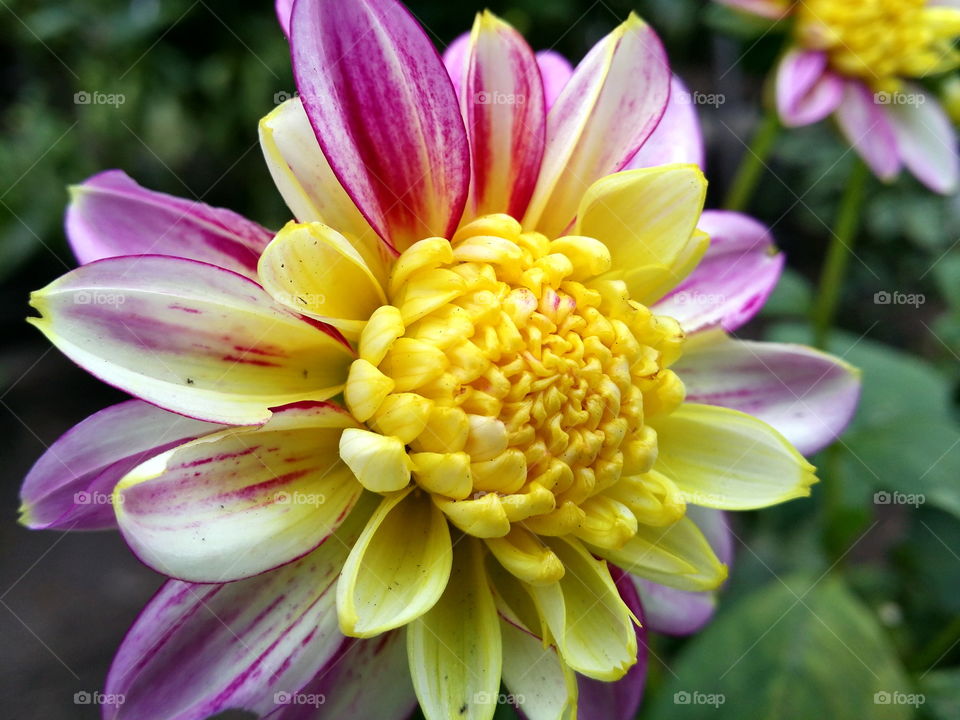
[862, 62]
[473, 417]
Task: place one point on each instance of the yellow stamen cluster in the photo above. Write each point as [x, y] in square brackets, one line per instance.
[880, 41]
[513, 386]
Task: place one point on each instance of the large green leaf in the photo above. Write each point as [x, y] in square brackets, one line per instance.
[941, 693]
[793, 650]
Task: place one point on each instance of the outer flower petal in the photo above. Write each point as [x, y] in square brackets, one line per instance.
[681, 612]
[189, 337]
[678, 138]
[342, 688]
[807, 91]
[556, 71]
[729, 460]
[385, 114]
[771, 9]
[807, 395]
[399, 567]
[586, 616]
[71, 485]
[455, 58]
[607, 110]
[503, 110]
[927, 140]
[677, 555]
[308, 184]
[543, 687]
[316, 271]
[648, 219]
[283, 8]
[197, 650]
[619, 700]
[736, 276]
[456, 647]
[110, 215]
[868, 129]
[241, 501]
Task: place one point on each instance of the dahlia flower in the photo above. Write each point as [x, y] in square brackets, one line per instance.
[859, 60]
[472, 418]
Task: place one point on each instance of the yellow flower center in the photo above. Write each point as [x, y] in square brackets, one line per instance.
[880, 41]
[512, 385]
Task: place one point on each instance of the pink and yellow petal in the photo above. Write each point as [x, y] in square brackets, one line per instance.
[197, 650]
[71, 485]
[607, 110]
[242, 501]
[111, 215]
[502, 101]
[807, 395]
[408, 169]
[732, 282]
[190, 337]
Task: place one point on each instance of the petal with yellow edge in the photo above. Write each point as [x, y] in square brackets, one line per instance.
[456, 647]
[240, 501]
[592, 626]
[190, 337]
[648, 219]
[677, 556]
[314, 270]
[399, 567]
[726, 459]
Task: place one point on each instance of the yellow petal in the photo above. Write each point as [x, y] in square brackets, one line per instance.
[544, 686]
[483, 517]
[445, 473]
[382, 329]
[526, 557]
[314, 270]
[648, 220]
[366, 389]
[398, 569]
[455, 647]
[379, 462]
[592, 625]
[726, 459]
[678, 556]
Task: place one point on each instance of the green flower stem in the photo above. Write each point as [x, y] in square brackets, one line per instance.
[753, 163]
[838, 254]
[938, 647]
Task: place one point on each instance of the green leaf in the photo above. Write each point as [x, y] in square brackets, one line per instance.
[941, 691]
[794, 650]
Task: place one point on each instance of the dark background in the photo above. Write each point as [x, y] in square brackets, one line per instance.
[825, 608]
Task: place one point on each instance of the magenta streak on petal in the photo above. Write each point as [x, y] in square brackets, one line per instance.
[110, 215]
[385, 115]
[87, 461]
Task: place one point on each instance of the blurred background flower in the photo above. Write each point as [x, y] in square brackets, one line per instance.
[842, 607]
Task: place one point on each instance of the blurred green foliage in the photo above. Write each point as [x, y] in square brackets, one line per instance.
[829, 603]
